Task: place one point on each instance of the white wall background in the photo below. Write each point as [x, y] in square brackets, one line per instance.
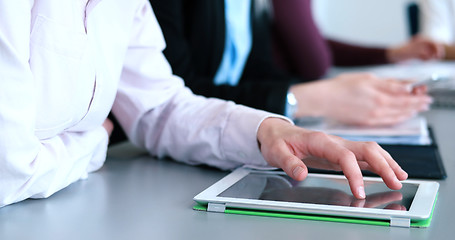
[370, 22]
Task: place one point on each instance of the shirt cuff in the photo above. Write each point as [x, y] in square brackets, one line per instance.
[99, 156]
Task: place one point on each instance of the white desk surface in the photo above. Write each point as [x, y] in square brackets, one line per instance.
[138, 197]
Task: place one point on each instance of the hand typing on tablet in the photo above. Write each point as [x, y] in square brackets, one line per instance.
[290, 148]
[330, 196]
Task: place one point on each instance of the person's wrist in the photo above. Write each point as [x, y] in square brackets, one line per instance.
[268, 128]
[392, 55]
[311, 97]
[449, 52]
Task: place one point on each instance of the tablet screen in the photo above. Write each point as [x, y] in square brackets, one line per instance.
[316, 190]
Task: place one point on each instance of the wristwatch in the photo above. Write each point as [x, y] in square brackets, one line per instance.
[291, 105]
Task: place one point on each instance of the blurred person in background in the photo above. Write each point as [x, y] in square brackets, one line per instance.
[267, 55]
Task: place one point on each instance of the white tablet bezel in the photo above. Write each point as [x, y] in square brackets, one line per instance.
[421, 206]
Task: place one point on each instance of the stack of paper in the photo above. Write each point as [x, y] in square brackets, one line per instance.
[412, 132]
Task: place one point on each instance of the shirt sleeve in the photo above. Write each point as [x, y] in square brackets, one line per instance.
[304, 50]
[31, 167]
[345, 54]
[438, 20]
[158, 113]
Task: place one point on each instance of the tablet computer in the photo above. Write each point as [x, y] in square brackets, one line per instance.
[320, 194]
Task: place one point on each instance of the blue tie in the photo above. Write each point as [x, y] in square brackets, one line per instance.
[237, 43]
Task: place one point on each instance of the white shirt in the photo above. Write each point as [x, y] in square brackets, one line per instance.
[62, 71]
[438, 20]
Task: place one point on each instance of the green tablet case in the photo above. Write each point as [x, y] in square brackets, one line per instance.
[416, 224]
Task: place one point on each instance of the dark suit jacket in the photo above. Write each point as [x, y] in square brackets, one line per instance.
[194, 31]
